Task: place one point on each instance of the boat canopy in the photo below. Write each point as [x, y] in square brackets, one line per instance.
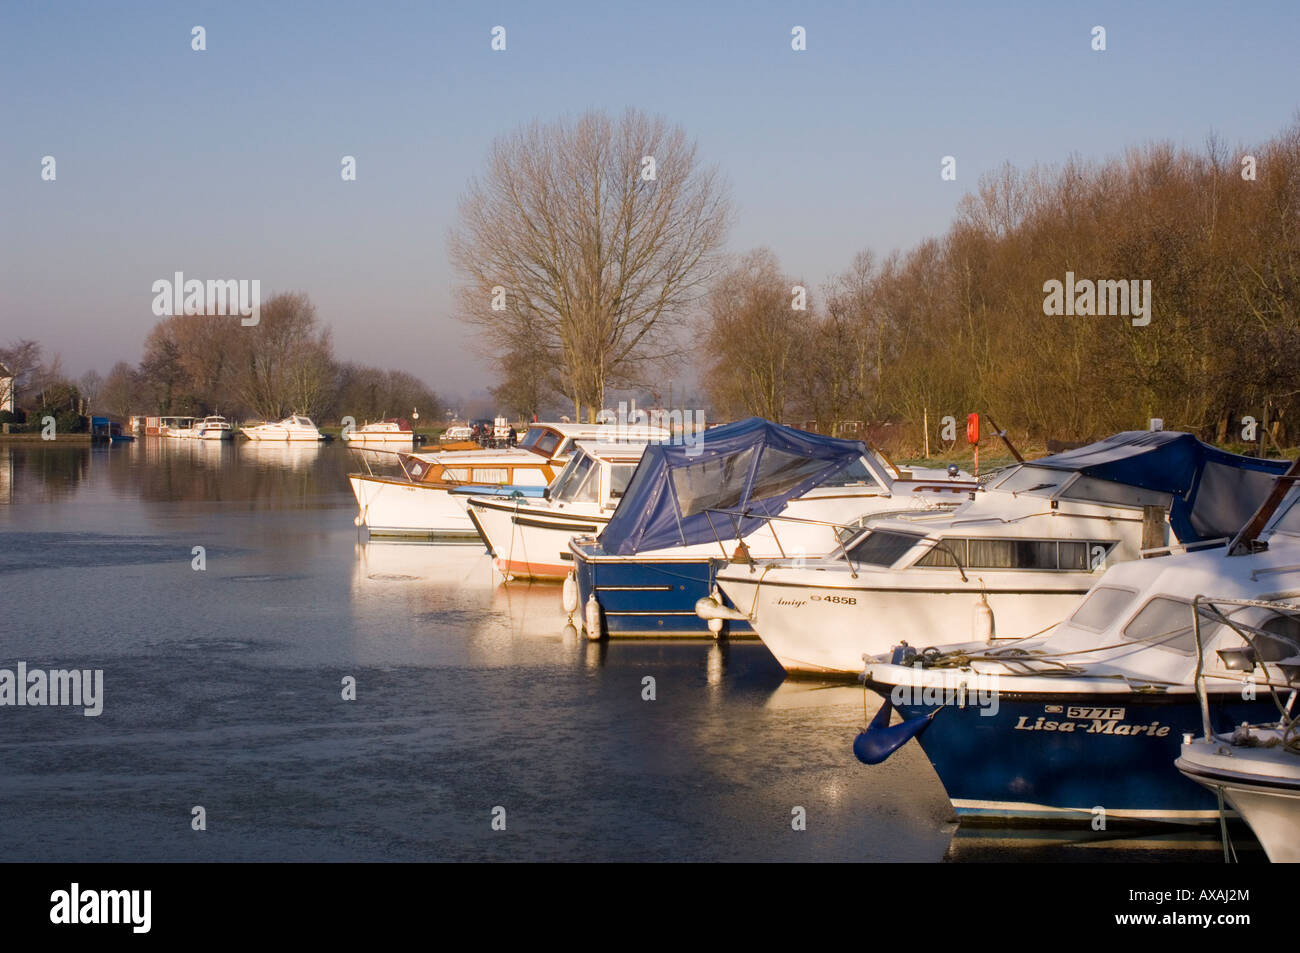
[1213, 492]
[752, 467]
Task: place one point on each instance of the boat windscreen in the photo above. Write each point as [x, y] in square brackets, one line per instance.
[855, 474]
[541, 440]
[881, 548]
[1029, 479]
[1101, 607]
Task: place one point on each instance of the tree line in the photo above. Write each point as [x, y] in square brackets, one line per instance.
[958, 324]
[196, 365]
[584, 272]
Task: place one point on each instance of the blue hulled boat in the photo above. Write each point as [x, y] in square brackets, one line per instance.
[1086, 720]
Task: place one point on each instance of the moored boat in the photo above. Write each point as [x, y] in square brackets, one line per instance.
[294, 428]
[214, 427]
[1010, 562]
[428, 499]
[1086, 720]
[393, 432]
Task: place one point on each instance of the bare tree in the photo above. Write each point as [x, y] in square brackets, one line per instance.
[285, 362]
[586, 242]
[754, 338]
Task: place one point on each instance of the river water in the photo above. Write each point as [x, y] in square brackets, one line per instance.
[224, 674]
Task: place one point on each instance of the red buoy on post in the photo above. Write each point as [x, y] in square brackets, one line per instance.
[973, 437]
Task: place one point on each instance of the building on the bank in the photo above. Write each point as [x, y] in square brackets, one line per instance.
[6, 389]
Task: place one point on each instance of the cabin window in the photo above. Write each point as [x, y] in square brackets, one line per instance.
[1287, 644]
[946, 552]
[571, 479]
[1101, 607]
[587, 491]
[620, 474]
[717, 483]
[541, 440]
[1095, 490]
[1033, 554]
[528, 476]
[1165, 623]
[882, 548]
[1012, 554]
[779, 472]
[492, 475]
[855, 474]
[455, 475]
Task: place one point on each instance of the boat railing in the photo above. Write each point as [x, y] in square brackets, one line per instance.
[735, 516]
[1209, 608]
[1174, 548]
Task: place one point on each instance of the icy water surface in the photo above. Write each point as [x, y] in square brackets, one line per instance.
[223, 689]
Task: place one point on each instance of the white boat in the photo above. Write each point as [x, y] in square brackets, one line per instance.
[428, 500]
[1087, 720]
[293, 428]
[1010, 563]
[395, 432]
[529, 538]
[214, 428]
[1256, 769]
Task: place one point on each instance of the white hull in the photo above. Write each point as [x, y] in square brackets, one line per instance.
[827, 628]
[356, 438]
[533, 542]
[399, 508]
[1261, 784]
[281, 435]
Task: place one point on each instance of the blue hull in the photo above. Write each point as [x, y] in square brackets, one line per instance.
[1058, 757]
[645, 597]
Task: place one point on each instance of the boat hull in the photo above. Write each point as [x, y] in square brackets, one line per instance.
[281, 435]
[647, 597]
[826, 629]
[401, 509]
[531, 542]
[1267, 801]
[1059, 758]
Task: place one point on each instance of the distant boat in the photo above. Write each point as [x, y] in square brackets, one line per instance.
[214, 428]
[104, 430]
[395, 431]
[293, 428]
[178, 427]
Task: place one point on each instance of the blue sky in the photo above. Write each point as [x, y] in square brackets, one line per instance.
[225, 163]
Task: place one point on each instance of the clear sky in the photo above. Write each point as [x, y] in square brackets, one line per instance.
[225, 163]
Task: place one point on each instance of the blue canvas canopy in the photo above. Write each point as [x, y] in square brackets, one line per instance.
[753, 466]
[1213, 492]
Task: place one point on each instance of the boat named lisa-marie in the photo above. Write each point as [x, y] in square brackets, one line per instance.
[529, 538]
[293, 428]
[1010, 562]
[753, 486]
[1255, 769]
[1086, 720]
[428, 499]
[393, 432]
